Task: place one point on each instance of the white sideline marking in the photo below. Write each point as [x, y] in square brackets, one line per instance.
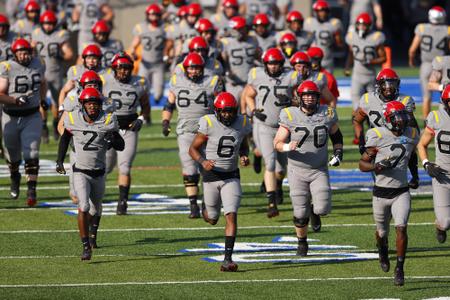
[212, 281]
[194, 228]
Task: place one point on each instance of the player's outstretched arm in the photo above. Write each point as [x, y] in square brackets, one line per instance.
[244, 150]
[279, 142]
[422, 146]
[70, 84]
[338, 143]
[63, 145]
[413, 50]
[167, 113]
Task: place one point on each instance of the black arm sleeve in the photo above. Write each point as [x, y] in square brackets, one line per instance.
[244, 148]
[64, 142]
[337, 137]
[117, 141]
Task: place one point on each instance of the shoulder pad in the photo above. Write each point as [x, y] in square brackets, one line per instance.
[74, 70]
[320, 76]
[36, 31]
[224, 41]
[439, 58]
[102, 78]
[436, 116]
[288, 113]
[61, 33]
[376, 35]
[173, 80]
[141, 80]
[208, 119]
[214, 80]
[21, 24]
[421, 28]
[294, 75]
[138, 28]
[6, 64]
[253, 72]
[377, 132]
[334, 21]
[366, 98]
[330, 112]
[71, 118]
[108, 118]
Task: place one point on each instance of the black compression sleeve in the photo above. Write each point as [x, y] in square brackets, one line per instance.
[117, 141]
[337, 137]
[64, 142]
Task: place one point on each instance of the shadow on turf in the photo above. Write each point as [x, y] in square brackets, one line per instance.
[290, 265]
[436, 281]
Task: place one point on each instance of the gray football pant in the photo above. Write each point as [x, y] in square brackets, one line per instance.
[424, 74]
[441, 203]
[360, 85]
[224, 192]
[90, 191]
[125, 158]
[385, 209]
[263, 136]
[154, 73]
[55, 86]
[188, 165]
[306, 186]
[21, 136]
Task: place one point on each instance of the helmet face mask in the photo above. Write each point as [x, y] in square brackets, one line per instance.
[92, 108]
[194, 73]
[388, 89]
[101, 37]
[23, 57]
[398, 121]
[154, 19]
[91, 62]
[48, 27]
[273, 60]
[362, 29]
[226, 108]
[4, 30]
[226, 115]
[309, 101]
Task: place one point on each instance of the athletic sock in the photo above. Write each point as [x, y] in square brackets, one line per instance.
[123, 192]
[95, 223]
[229, 245]
[193, 200]
[271, 197]
[400, 261]
[85, 242]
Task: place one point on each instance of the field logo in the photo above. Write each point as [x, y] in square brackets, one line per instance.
[283, 250]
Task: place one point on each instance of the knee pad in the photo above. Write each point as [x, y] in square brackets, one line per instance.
[125, 169]
[191, 180]
[32, 166]
[13, 166]
[301, 222]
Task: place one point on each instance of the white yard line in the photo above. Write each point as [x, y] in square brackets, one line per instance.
[58, 285]
[192, 228]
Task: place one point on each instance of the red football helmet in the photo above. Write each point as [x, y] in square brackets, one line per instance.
[32, 6]
[299, 58]
[121, 59]
[101, 26]
[396, 117]
[204, 25]
[225, 108]
[153, 9]
[194, 59]
[293, 16]
[321, 5]
[288, 38]
[182, 11]
[48, 17]
[91, 50]
[261, 19]
[230, 3]
[21, 44]
[4, 21]
[437, 15]
[309, 95]
[387, 84]
[445, 97]
[237, 23]
[194, 9]
[200, 45]
[90, 77]
[273, 55]
[91, 95]
[364, 18]
[315, 53]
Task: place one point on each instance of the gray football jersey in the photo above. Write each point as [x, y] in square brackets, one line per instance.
[181, 32]
[319, 79]
[442, 64]
[89, 13]
[255, 7]
[433, 40]
[398, 149]
[24, 81]
[5, 47]
[324, 34]
[24, 28]
[439, 122]
[266, 42]
[48, 46]
[222, 24]
[312, 134]
[193, 99]
[304, 38]
[224, 141]
[269, 89]
[364, 50]
[373, 107]
[89, 139]
[240, 55]
[126, 96]
[71, 102]
[152, 40]
[75, 72]
[361, 6]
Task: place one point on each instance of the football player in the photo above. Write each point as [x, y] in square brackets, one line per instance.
[86, 13]
[440, 74]
[151, 35]
[366, 51]
[240, 51]
[250, 8]
[128, 92]
[222, 138]
[371, 106]
[93, 132]
[23, 76]
[208, 31]
[438, 126]
[294, 20]
[388, 149]
[192, 94]
[268, 91]
[372, 7]
[433, 40]
[327, 32]
[262, 30]
[288, 44]
[53, 46]
[171, 9]
[228, 10]
[6, 39]
[24, 27]
[303, 134]
[101, 32]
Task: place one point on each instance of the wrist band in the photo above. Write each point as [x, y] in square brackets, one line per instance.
[141, 118]
[286, 148]
[424, 162]
[200, 160]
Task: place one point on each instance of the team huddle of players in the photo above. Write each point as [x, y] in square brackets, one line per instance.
[237, 84]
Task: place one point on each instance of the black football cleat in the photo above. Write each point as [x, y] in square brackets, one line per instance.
[195, 211]
[399, 277]
[302, 248]
[228, 266]
[316, 223]
[383, 258]
[31, 197]
[93, 242]
[257, 164]
[122, 207]
[87, 253]
[272, 210]
[441, 235]
[15, 185]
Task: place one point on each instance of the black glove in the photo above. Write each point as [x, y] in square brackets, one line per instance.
[434, 170]
[22, 100]
[336, 158]
[60, 167]
[165, 127]
[108, 139]
[44, 105]
[258, 113]
[384, 164]
[136, 125]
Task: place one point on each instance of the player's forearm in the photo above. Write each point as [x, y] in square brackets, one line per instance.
[63, 145]
[195, 154]
[145, 106]
[244, 148]
[366, 166]
[43, 91]
[435, 86]
[5, 99]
